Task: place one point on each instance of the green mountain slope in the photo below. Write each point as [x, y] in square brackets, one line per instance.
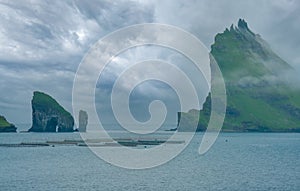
[258, 99]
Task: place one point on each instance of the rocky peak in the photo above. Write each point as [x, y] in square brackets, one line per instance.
[241, 29]
[242, 24]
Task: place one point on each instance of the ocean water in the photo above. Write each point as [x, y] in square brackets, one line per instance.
[237, 161]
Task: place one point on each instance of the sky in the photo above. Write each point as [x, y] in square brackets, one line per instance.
[43, 42]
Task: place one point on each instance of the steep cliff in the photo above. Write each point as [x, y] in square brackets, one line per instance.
[48, 115]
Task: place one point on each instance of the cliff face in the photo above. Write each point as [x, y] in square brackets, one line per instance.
[48, 115]
[258, 98]
[187, 122]
[5, 126]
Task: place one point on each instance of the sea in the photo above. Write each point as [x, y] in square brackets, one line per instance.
[237, 161]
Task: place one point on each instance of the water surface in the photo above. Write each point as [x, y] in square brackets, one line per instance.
[237, 161]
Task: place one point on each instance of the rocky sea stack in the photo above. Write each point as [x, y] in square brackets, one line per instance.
[5, 126]
[83, 121]
[48, 115]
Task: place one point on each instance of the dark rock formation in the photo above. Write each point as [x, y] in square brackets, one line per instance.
[48, 115]
[83, 121]
[242, 24]
[5, 126]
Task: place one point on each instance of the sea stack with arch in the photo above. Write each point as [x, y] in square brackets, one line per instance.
[48, 115]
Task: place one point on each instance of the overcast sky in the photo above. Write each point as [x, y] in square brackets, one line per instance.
[42, 42]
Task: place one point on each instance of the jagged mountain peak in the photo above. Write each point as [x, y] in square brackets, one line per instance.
[238, 48]
[242, 24]
[242, 27]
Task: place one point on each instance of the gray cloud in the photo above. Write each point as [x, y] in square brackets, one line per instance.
[41, 30]
[42, 43]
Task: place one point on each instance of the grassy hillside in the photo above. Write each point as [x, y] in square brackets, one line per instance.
[3, 122]
[42, 101]
[5, 126]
